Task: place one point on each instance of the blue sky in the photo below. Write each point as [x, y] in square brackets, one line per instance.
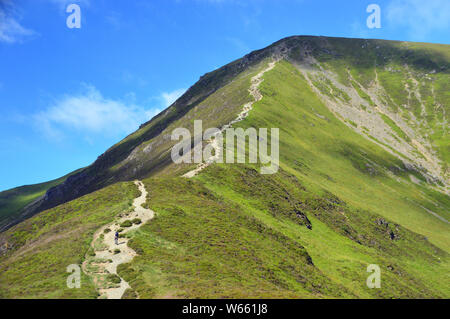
[66, 95]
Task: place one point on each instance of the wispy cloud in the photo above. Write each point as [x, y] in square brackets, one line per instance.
[91, 113]
[11, 31]
[170, 97]
[419, 17]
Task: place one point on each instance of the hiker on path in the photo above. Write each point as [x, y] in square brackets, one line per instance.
[116, 238]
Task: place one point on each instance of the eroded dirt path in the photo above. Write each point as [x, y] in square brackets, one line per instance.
[257, 96]
[102, 266]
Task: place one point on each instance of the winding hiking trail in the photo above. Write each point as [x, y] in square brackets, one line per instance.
[257, 96]
[103, 265]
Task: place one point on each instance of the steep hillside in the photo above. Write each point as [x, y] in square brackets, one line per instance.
[363, 179]
[395, 93]
[37, 251]
[346, 201]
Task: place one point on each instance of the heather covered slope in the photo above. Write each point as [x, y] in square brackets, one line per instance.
[346, 194]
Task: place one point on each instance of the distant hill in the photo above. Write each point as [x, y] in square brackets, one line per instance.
[13, 201]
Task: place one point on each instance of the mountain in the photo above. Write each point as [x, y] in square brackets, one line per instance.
[363, 179]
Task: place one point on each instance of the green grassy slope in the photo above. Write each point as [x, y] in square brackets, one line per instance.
[332, 156]
[232, 232]
[40, 248]
[411, 79]
[202, 245]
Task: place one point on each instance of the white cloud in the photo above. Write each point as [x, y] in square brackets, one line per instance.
[11, 31]
[170, 97]
[91, 113]
[419, 17]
